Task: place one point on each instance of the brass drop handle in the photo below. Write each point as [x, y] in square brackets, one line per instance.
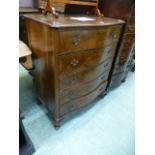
[109, 51]
[113, 35]
[74, 62]
[76, 41]
[106, 65]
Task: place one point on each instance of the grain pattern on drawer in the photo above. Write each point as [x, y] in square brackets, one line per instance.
[83, 101]
[83, 74]
[87, 39]
[81, 90]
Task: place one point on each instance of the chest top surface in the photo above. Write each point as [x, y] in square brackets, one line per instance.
[73, 21]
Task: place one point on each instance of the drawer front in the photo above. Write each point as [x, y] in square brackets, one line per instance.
[83, 74]
[81, 90]
[83, 101]
[87, 39]
[69, 63]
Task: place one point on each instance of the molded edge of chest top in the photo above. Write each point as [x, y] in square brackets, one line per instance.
[73, 20]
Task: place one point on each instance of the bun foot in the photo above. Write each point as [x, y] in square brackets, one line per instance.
[123, 81]
[57, 123]
[102, 94]
[133, 69]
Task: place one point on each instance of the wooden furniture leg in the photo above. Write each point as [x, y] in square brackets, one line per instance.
[57, 122]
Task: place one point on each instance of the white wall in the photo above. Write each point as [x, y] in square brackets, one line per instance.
[25, 3]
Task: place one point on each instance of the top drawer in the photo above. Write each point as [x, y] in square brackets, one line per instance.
[73, 40]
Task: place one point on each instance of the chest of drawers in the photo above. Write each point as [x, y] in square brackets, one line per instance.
[72, 60]
[123, 10]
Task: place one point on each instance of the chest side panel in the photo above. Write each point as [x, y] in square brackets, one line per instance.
[41, 43]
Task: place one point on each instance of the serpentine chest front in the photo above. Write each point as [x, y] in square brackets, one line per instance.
[72, 59]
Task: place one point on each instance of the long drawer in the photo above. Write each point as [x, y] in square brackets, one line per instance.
[73, 40]
[83, 101]
[83, 75]
[88, 58]
[81, 90]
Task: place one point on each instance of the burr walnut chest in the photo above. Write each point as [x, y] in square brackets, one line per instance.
[72, 57]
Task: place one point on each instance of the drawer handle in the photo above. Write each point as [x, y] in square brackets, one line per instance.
[76, 41]
[113, 35]
[109, 51]
[106, 64]
[74, 62]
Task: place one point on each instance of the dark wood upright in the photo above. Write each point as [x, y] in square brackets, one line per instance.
[121, 9]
